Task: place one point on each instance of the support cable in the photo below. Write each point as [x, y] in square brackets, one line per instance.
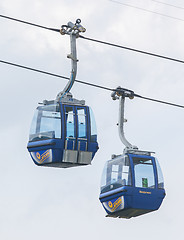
[159, 101]
[128, 93]
[168, 4]
[54, 75]
[29, 23]
[133, 49]
[99, 41]
[146, 10]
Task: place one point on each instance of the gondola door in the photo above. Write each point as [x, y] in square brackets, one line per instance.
[145, 182]
[81, 128]
[76, 135]
[70, 153]
[83, 135]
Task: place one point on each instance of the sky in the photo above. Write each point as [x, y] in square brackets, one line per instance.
[45, 203]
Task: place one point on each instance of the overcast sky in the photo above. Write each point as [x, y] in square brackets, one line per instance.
[48, 203]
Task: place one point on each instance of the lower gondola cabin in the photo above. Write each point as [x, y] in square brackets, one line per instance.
[132, 185]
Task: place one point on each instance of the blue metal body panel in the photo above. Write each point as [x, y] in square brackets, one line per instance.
[39, 147]
[137, 200]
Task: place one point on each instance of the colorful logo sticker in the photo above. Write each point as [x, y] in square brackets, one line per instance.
[42, 156]
[114, 205]
[38, 155]
[110, 204]
[144, 182]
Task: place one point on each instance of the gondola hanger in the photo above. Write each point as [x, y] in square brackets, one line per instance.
[63, 131]
[73, 30]
[132, 183]
[121, 94]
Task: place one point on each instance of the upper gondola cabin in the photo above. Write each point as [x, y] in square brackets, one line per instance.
[63, 134]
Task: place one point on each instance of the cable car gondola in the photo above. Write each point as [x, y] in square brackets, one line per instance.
[63, 131]
[63, 134]
[132, 183]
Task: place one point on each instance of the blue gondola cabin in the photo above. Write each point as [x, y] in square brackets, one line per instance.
[63, 134]
[132, 185]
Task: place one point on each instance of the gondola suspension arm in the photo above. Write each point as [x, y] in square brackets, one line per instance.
[73, 30]
[121, 94]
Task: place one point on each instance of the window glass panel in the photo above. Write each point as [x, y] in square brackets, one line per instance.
[34, 123]
[117, 173]
[144, 173]
[81, 123]
[93, 126]
[114, 177]
[70, 124]
[126, 175]
[51, 121]
[46, 123]
[160, 175]
[115, 168]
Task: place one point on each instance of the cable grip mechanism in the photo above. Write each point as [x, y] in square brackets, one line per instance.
[122, 92]
[74, 28]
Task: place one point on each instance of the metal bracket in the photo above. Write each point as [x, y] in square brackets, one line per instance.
[138, 152]
[120, 94]
[73, 30]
